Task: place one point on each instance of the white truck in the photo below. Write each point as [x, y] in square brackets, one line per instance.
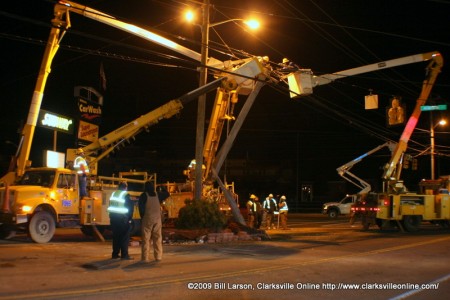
[343, 207]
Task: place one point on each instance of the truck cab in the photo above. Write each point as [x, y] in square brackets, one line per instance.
[42, 198]
[334, 209]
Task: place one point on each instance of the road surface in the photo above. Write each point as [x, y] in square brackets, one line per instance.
[318, 258]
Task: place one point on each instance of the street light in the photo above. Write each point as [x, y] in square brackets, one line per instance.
[200, 131]
[432, 127]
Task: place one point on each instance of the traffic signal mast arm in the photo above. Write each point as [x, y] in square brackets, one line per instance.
[344, 170]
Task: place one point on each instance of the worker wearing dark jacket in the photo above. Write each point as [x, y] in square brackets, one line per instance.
[120, 214]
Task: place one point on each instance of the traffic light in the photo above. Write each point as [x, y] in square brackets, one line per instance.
[406, 160]
[406, 164]
[414, 164]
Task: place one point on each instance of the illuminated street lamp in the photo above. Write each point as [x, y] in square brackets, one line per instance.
[432, 127]
[251, 23]
[203, 80]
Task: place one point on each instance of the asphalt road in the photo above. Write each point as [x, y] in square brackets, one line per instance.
[318, 258]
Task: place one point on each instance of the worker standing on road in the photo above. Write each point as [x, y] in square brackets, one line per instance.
[270, 206]
[283, 212]
[150, 211]
[251, 211]
[120, 214]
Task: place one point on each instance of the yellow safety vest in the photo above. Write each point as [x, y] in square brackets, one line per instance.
[117, 203]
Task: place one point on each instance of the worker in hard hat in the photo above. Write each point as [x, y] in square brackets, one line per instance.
[80, 165]
[288, 66]
[120, 210]
[269, 207]
[251, 211]
[283, 212]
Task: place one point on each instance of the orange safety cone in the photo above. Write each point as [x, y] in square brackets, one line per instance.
[6, 207]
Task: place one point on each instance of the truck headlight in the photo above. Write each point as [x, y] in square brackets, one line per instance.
[26, 208]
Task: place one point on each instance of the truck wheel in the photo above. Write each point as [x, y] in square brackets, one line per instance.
[135, 227]
[412, 223]
[42, 227]
[333, 214]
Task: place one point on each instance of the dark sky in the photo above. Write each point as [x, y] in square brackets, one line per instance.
[322, 131]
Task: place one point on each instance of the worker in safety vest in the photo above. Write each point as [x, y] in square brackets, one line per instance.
[283, 212]
[80, 165]
[120, 214]
[270, 208]
[251, 211]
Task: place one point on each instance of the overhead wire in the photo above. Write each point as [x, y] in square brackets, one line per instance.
[315, 27]
[233, 53]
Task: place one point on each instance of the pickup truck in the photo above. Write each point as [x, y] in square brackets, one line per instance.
[343, 207]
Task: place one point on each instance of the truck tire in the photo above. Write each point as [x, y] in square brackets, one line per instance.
[412, 223]
[42, 227]
[333, 213]
[135, 229]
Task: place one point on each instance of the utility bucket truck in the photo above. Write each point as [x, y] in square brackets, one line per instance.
[39, 199]
[44, 198]
[358, 205]
[396, 205]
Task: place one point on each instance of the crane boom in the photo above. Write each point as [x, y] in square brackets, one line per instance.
[110, 141]
[239, 71]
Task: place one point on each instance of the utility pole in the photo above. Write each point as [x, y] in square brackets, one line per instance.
[201, 103]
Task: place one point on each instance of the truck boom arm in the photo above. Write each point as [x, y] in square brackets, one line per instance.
[434, 68]
[60, 24]
[302, 81]
[344, 170]
[108, 142]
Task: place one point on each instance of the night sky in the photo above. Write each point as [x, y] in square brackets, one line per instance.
[318, 133]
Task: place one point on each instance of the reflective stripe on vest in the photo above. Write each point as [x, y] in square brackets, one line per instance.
[285, 207]
[117, 203]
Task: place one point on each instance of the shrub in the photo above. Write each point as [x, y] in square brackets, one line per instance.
[200, 215]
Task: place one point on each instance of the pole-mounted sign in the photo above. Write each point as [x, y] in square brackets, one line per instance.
[433, 107]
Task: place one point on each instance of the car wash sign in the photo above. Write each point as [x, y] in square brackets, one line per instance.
[54, 121]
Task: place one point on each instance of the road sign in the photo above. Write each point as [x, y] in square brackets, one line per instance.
[433, 107]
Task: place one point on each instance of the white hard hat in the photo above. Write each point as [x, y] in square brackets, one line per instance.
[270, 195]
[283, 197]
